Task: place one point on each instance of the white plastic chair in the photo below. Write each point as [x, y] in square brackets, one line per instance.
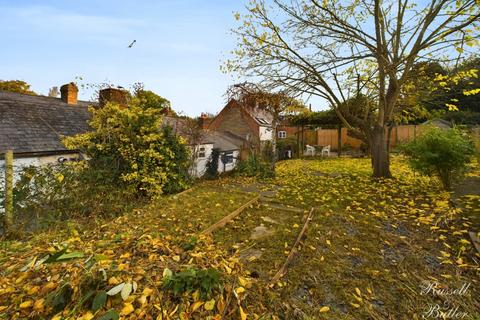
[309, 150]
[326, 150]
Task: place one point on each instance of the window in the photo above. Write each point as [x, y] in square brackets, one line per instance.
[201, 153]
[282, 134]
[227, 157]
[262, 121]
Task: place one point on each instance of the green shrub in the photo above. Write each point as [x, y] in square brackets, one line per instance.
[289, 143]
[191, 280]
[52, 193]
[254, 167]
[130, 147]
[441, 152]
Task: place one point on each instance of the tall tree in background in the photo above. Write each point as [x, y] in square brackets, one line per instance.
[17, 86]
[334, 49]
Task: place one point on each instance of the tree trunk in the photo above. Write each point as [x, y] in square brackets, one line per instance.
[274, 144]
[339, 133]
[379, 150]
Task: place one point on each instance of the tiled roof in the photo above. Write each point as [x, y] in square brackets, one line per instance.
[260, 115]
[36, 124]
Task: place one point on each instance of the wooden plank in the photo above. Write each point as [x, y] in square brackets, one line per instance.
[475, 240]
[184, 192]
[229, 217]
[280, 273]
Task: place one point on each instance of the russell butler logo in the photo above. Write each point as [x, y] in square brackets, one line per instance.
[446, 310]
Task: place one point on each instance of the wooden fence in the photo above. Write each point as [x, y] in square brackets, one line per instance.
[324, 137]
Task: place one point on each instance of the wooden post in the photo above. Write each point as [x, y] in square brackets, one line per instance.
[8, 190]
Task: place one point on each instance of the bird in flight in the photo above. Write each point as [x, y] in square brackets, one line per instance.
[131, 44]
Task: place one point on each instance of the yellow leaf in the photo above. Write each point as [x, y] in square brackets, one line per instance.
[358, 291]
[127, 309]
[3, 308]
[328, 242]
[243, 282]
[174, 310]
[209, 305]
[39, 305]
[355, 305]
[33, 290]
[324, 309]
[240, 290]
[196, 305]
[86, 316]
[243, 315]
[26, 304]
[296, 225]
[125, 255]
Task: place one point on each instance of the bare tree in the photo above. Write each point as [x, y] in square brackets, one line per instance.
[336, 49]
[276, 103]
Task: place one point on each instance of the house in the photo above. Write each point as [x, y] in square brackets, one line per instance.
[202, 145]
[246, 122]
[33, 127]
[250, 123]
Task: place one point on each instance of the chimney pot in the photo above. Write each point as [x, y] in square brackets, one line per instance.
[69, 93]
[113, 95]
[204, 121]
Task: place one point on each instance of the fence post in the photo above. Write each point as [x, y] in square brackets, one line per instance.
[8, 190]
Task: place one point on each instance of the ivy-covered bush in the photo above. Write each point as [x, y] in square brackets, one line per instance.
[444, 153]
[131, 148]
[211, 171]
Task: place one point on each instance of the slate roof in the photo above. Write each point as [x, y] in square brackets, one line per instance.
[36, 124]
[223, 140]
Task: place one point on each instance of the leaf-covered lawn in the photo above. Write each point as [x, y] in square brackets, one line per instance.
[369, 250]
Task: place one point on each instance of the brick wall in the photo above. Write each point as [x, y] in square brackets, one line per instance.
[232, 118]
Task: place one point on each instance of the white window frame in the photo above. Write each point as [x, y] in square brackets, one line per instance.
[282, 134]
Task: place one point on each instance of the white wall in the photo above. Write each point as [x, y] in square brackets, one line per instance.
[20, 163]
[228, 166]
[200, 165]
[265, 133]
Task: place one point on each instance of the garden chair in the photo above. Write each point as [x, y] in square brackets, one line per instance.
[326, 151]
[309, 150]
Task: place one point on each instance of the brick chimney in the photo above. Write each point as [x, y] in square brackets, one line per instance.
[204, 121]
[69, 93]
[114, 95]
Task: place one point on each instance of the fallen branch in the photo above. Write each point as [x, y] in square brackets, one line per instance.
[280, 273]
[229, 217]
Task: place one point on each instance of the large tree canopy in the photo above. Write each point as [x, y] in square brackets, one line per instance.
[335, 49]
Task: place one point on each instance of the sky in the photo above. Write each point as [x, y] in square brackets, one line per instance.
[180, 46]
